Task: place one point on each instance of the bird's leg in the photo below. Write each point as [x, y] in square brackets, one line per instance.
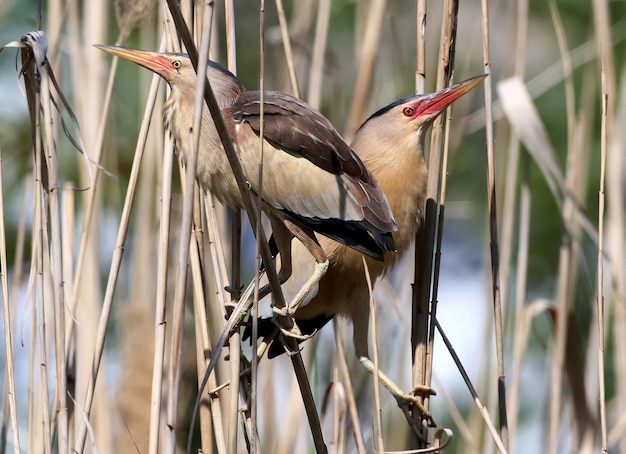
[308, 287]
[281, 237]
[307, 237]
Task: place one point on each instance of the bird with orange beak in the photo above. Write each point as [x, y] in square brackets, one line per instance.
[312, 180]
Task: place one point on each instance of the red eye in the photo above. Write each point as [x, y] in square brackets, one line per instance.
[408, 111]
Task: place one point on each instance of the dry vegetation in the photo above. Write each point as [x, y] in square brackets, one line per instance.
[112, 304]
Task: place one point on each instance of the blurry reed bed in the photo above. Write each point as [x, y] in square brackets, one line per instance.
[104, 281]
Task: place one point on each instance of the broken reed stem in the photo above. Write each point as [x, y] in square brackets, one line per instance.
[493, 228]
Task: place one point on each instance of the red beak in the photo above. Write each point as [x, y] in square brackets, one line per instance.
[433, 104]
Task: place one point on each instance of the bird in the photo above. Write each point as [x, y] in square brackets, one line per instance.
[312, 180]
[388, 143]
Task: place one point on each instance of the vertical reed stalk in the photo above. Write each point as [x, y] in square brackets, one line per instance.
[493, 229]
[8, 324]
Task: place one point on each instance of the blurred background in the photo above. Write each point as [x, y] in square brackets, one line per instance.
[549, 163]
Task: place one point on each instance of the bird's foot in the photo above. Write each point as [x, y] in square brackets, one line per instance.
[408, 401]
[292, 331]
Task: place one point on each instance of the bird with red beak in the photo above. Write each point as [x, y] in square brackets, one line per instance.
[389, 144]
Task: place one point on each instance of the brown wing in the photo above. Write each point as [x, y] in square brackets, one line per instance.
[297, 128]
[294, 127]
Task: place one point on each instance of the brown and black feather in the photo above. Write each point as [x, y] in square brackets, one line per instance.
[294, 127]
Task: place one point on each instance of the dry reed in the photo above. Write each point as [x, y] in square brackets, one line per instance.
[56, 321]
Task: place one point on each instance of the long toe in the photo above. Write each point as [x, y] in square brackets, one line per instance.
[408, 401]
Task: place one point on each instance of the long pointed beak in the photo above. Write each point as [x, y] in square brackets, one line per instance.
[151, 60]
[433, 104]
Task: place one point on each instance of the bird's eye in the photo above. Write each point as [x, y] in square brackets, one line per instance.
[176, 64]
[408, 111]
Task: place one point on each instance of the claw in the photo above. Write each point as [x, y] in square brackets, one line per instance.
[233, 290]
[293, 332]
[409, 400]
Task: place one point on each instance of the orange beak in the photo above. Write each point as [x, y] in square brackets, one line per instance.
[153, 61]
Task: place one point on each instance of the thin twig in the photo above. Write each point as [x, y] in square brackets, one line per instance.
[346, 379]
[511, 189]
[62, 416]
[160, 316]
[437, 163]
[255, 445]
[600, 281]
[481, 408]
[235, 275]
[284, 33]
[189, 184]
[367, 61]
[493, 228]
[114, 270]
[39, 245]
[319, 51]
[379, 415]
[423, 241]
[8, 325]
[209, 407]
[424, 303]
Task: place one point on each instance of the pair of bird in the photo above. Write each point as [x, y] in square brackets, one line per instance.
[365, 199]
